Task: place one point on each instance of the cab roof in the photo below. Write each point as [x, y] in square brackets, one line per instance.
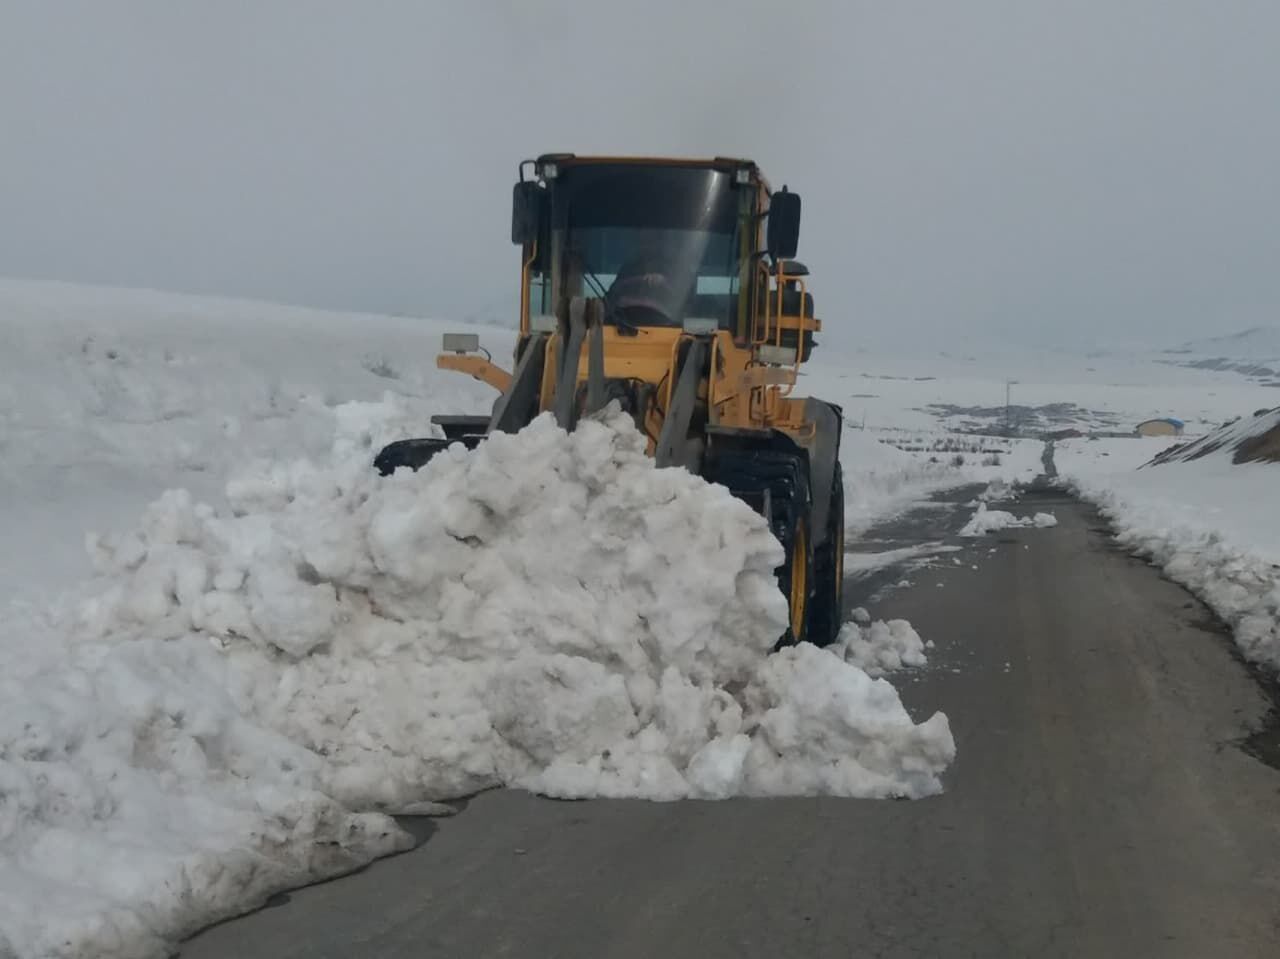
[726, 164]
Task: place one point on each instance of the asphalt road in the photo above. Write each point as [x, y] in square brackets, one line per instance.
[1101, 805]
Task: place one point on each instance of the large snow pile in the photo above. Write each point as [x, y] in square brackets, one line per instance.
[251, 689]
[109, 396]
[1209, 522]
[986, 520]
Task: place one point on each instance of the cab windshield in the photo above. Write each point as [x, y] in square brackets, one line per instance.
[658, 244]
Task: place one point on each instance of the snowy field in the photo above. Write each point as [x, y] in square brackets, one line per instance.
[1211, 524]
[1112, 392]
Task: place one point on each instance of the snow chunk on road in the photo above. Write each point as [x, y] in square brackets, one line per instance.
[986, 520]
[879, 647]
[837, 731]
[251, 691]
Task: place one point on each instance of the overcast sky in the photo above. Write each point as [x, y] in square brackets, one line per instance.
[1057, 172]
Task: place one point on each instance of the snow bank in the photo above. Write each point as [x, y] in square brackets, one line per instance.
[253, 689]
[986, 520]
[1208, 523]
[881, 480]
[889, 471]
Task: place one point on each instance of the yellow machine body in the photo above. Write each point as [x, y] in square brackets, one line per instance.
[708, 372]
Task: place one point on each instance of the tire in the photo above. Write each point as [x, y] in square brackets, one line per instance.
[826, 611]
[776, 484]
[795, 579]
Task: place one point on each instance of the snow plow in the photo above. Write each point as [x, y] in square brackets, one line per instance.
[671, 287]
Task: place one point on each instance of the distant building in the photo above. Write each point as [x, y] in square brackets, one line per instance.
[1166, 426]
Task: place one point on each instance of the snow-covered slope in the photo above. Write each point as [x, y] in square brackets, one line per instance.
[1250, 439]
[1253, 353]
[1210, 521]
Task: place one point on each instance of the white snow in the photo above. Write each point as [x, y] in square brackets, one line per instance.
[881, 480]
[888, 472]
[107, 397]
[880, 647]
[911, 390]
[250, 686]
[910, 557]
[985, 520]
[1208, 523]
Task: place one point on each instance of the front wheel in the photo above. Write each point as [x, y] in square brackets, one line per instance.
[796, 580]
[826, 607]
[776, 483]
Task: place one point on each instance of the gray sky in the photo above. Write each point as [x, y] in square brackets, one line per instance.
[1062, 172]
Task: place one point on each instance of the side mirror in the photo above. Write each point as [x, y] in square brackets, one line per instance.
[526, 212]
[783, 236]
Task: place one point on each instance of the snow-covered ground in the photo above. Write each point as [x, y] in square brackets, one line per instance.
[929, 390]
[249, 692]
[888, 471]
[285, 648]
[270, 663]
[1211, 524]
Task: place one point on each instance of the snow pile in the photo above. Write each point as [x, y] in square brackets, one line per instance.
[138, 800]
[108, 397]
[253, 689]
[986, 520]
[997, 491]
[879, 647]
[1241, 586]
[1208, 522]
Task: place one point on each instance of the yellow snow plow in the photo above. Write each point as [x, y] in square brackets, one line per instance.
[670, 287]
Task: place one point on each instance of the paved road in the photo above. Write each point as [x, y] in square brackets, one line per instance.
[1100, 806]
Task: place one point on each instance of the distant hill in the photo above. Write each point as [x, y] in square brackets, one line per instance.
[1250, 439]
[1253, 353]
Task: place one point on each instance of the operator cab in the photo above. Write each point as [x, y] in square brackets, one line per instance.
[658, 243]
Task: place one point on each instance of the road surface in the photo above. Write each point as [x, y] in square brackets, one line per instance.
[1101, 805]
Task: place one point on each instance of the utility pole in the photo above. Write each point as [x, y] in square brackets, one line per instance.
[1008, 409]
